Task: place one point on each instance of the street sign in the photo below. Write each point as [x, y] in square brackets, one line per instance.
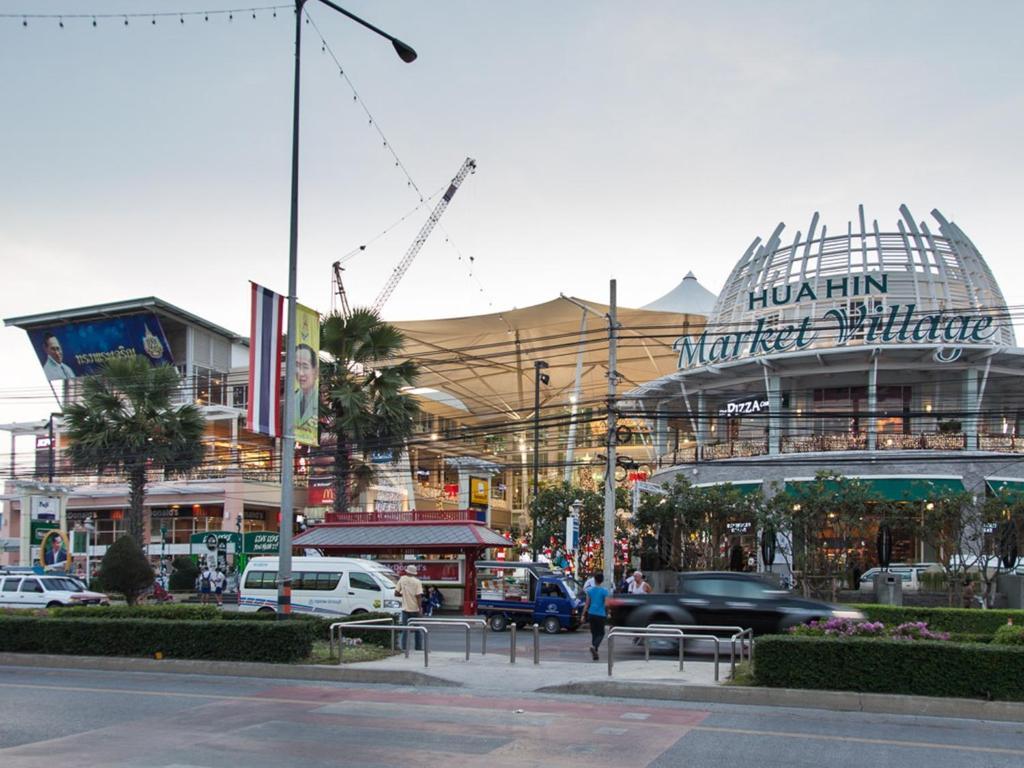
[572, 533]
[647, 487]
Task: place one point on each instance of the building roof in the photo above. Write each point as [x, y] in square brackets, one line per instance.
[116, 308]
[366, 537]
[689, 297]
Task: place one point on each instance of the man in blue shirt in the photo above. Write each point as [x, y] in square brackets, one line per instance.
[597, 612]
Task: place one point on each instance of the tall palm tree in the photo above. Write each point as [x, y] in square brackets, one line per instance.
[127, 422]
[363, 391]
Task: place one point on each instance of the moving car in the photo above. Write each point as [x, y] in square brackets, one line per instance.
[724, 599]
[31, 590]
[331, 585]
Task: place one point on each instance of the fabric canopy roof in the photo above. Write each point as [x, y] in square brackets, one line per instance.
[486, 363]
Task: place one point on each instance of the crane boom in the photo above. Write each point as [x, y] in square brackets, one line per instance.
[468, 167]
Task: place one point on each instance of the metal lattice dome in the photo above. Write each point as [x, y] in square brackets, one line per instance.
[936, 272]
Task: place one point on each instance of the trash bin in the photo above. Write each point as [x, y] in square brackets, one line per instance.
[888, 589]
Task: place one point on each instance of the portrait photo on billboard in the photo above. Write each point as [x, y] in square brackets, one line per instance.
[53, 551]
[70, 350]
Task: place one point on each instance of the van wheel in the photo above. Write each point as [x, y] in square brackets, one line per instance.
[497, 622]
[265, 610]
[552, 625]
[357, 611]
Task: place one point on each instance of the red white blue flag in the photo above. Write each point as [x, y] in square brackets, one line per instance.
[264, 415]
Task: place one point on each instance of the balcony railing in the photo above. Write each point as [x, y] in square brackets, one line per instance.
[405, 516]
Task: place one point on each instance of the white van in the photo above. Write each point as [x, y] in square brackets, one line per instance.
[329, 585]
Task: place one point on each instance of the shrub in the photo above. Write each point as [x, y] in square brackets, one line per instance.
[171, 612]
[881, 666]
[1009, 634]
[220, 640]
[955, 620]
[322, 624]
[183, 574]
[125, 569]
[911, 630]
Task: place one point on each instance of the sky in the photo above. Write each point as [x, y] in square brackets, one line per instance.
[626, 140]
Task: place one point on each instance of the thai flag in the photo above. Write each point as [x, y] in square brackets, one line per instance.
[264, 416]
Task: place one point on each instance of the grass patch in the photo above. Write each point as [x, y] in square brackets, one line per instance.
[321, 654]
[744, 674]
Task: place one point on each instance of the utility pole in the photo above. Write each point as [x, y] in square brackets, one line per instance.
[609, 472]
[538, 379]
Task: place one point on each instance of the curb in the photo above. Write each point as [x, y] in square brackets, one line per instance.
[836, 701]
[318, 672]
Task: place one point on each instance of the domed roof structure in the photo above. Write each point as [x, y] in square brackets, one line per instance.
[689, 297]
[909, 266]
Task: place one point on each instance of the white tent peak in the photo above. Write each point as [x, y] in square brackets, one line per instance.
[689, 297]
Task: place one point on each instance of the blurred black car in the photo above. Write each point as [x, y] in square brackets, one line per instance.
[725, 599]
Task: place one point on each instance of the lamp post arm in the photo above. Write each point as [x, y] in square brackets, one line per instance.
[405, 52]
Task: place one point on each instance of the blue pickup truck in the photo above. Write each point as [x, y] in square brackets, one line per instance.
[527, 593]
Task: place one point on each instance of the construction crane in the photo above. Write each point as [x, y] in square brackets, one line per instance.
[339, 288]
[468, 167]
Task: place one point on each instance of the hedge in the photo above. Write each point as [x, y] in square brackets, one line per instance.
[956, 620]
[1008, 635]
[322, 624]
[171, 612]
[281, 642]
[924, 668]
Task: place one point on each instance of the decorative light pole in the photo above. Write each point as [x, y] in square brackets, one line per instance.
[538, 379]
[284, 577]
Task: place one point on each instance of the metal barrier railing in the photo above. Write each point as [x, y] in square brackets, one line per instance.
[513, 647]
[702, 633]
[331, 631]
[642, 632]
[467, 623]
[393, 629]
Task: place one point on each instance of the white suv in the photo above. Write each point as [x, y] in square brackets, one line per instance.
[29, 590]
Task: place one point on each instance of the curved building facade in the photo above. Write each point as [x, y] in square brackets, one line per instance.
[885, 353]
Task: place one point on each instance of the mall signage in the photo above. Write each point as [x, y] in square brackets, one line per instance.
[870, 321]
[744, 407]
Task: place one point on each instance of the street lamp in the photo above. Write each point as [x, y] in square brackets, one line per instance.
[90, 527]
[284, 580]
[538, 379]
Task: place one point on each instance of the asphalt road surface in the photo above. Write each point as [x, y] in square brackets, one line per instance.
[119, 720]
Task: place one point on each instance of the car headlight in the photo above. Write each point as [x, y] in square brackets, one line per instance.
[845, 614]
[392, 604]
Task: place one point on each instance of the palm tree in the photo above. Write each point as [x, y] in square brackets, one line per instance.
[127, 422]
[366, 404]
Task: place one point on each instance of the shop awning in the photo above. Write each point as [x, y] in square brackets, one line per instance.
[1005, 485]
[358, 538]
[745, 487]
[905, 488]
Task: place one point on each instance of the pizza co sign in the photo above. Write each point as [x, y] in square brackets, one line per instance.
[872, 322]
[744, 407]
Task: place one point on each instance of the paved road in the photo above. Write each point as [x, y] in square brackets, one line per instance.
[122, 720]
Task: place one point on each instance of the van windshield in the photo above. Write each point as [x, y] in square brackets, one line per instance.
[384, 573]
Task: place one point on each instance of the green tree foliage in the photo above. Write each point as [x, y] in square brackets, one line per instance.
[127, 422]
[950, 522]
[184, 572]
[366, 406]
[125, 569]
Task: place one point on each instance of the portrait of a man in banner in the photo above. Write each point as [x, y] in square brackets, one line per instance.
[307, 376]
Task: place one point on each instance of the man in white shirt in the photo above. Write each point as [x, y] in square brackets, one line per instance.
[218, 580]
[410, 589]
[637, 585]
[55, 367]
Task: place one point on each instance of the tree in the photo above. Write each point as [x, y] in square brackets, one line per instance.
[367, 407]
[127, 422]
[125, 569]
[950, 524]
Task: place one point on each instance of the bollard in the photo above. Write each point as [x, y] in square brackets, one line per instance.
[536, 643]
[611, 652]
[512, 646]
[467, 642]
[483, 634]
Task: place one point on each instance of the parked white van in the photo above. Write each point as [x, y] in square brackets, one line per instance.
[329, 585]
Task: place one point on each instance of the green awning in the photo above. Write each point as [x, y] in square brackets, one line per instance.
[998, 486]
[745, 487]
[899, 488]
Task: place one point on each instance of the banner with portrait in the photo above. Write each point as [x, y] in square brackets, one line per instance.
[307, 375]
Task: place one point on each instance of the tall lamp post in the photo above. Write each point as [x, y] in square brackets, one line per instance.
[538, 379]
[284, 579]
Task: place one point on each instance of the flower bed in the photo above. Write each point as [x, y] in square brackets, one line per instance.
[909, 630]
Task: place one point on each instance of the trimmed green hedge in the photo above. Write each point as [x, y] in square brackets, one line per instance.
[957, 620]
[924, 668]
[321, 624]
[168, 612]
[1008, 635]
[282, 642]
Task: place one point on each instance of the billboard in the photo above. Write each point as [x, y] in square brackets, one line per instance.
[71, 350]
[307, 376]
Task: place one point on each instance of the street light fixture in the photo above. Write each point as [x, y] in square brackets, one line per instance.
[284, 585]
[538, 379]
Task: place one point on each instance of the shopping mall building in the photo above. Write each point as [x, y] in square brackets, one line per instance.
[884, 353]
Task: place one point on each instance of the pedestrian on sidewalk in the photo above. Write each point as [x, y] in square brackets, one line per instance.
[205, 585]
[596, 609]
[218, 580]
[410, 589]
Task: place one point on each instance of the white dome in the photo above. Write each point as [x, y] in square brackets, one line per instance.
[934, 272]
[688, 298]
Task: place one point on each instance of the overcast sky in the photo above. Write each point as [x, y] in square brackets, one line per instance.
[634, 140]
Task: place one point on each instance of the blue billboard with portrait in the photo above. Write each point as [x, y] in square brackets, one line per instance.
[79, 349]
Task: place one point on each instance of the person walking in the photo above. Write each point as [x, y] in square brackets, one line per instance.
[205, 585]
[637, 585]
[597, 612]
[410, 589]
[217, 581]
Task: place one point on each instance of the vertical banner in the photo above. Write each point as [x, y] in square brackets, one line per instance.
[307, 375]
[264, 413]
